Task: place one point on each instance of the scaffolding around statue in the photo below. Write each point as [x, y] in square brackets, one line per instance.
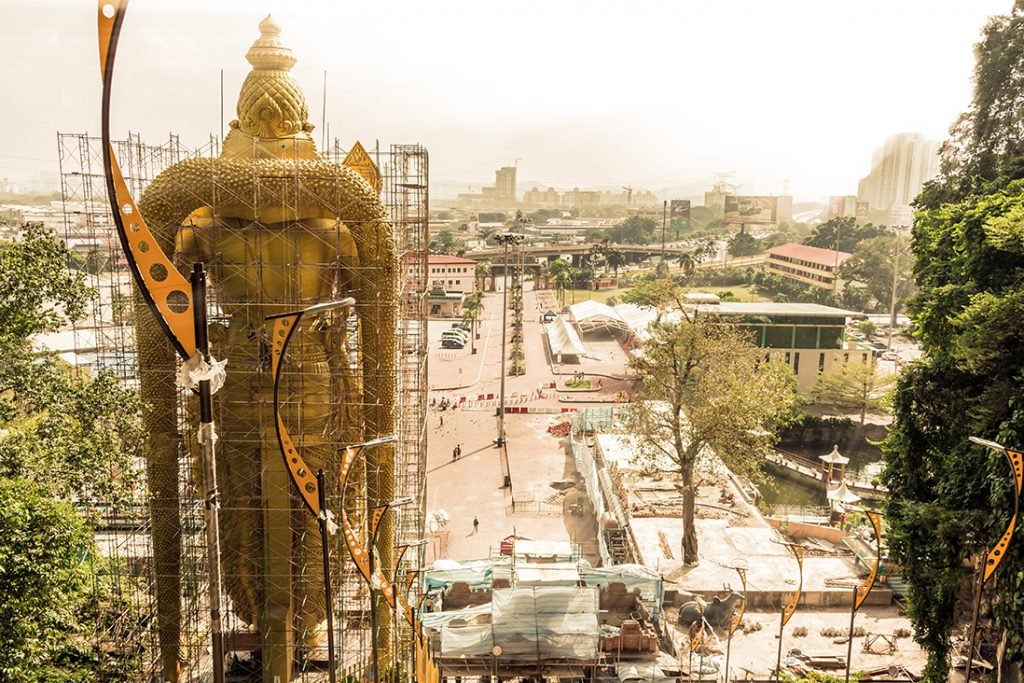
[271, 260]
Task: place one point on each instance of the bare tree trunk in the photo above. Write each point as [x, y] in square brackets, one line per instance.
[689, 543]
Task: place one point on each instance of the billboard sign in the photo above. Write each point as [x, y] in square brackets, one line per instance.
[747, 210]
[862, 209]
[836, 207]
[679, 214]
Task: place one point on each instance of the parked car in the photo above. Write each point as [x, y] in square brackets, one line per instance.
[890, 355]
[460, 335]
[452, 344]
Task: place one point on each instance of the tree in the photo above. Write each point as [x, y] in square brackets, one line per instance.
[949, 500]
[987, 141]
[867, 328]
[855, 386]
[481, 272]
[702, 387]
[44, 547]
[38, 293]
[472, 310]
[848, 232]
[634, 230]
[445, 241]
[64, 436]
[560, 272]
[743, 244]
[873, 263]
[80, 434]
[615, 259]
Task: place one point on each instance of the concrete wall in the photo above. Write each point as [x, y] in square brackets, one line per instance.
[802, 530]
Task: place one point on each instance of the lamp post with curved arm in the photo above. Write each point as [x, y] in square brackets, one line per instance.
[284, 328]
[399, 554]
[505, 239]
[996, 554]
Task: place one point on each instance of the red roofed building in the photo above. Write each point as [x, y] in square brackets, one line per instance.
[808, 265]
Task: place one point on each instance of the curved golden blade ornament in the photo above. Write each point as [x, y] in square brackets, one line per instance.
[698, 635]
[305, 480]
[798, 552]
[864, 589]
[356, 551]
[737, 617]
[164, 288]
[995, 556]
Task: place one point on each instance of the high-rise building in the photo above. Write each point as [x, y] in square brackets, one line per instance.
[899, 168]
[505, 183]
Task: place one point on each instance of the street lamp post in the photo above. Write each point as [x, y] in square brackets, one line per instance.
[996, 554]
[895, 282]
[505, 239]
[286, 324]
[373, 521]
[399, 554]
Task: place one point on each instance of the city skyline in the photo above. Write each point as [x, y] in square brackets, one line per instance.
[544, 101]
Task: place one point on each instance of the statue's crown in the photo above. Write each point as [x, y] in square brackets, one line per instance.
[271, 105]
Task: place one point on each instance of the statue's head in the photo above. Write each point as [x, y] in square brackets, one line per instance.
[273, 118]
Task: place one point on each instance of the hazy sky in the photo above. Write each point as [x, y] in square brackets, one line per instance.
[582, 92]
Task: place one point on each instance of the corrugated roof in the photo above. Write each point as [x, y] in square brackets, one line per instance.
[766, 308]
[563, 338]
[438, 259]
[825, 257]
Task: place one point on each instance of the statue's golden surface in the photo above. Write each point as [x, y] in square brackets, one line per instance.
[279, 228]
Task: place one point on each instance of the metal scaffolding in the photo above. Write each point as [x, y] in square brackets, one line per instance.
[329, 382]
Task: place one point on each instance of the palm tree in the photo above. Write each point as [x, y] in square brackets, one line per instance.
[482, 271]
[614, 258]
[472, 310]
[563, 280]
[687, 263]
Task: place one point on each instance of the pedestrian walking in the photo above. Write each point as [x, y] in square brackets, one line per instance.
[455, 454]
[476, 525]
[458, 451]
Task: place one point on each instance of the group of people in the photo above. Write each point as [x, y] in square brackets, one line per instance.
[456, 452]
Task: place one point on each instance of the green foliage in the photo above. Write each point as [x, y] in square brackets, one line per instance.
[701, 385]
[744, 244]
[635, 230]
[873, 264]
[849, 234]
[867, 327]
[987, 141]
[615, 259]
[445, 243]
[78, 439]
[854, 386]
[82, 436]
[37, 291]
[44, 549]
[949, 500]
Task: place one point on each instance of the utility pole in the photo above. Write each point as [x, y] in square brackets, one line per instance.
[505, 239]
[664, 218]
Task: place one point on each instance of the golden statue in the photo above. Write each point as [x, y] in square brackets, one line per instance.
[280, 229]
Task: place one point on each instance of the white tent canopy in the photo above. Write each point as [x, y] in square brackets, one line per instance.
[593, 315]
[563, 338]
